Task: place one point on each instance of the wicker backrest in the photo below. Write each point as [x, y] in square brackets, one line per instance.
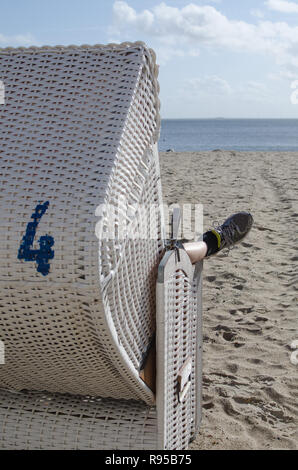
[78, 128]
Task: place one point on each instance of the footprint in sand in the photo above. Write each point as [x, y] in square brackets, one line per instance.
[239, 345]
[210, 278]
[243, 310]
[208, 406]
[229, 336]
[261, 319]
[233, 368]
[247, 245]
[227, 333]
[255, 361]
[239, 287]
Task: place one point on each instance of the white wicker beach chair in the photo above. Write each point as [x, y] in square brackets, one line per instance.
[82, 312]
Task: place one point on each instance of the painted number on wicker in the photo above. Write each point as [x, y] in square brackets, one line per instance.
[45, 252]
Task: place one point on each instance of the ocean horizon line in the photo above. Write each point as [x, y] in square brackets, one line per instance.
[229, 119]
[237, 134]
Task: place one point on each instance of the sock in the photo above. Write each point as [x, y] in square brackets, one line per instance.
[212, 243]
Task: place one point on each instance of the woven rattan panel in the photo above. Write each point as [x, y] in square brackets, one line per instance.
[197, 349]
[30, 421]
[78, 128]
[180, 324]
[176, 334]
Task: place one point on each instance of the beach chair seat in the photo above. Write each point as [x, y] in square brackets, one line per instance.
[84, 296]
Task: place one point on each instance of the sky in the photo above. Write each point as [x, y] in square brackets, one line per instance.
[218, 58]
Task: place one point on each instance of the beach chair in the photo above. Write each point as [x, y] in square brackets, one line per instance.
[101, 331]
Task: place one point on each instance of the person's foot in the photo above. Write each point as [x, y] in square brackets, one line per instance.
[232, 231]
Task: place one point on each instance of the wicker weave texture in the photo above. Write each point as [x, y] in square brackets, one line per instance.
[78, 129]
[33, 421]
[197, 347]
[177, 325]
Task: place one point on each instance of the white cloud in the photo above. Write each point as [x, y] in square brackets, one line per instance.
[257, 13]
[283, 75]
[206, 87]
[142, 20]
[253, 91]
[282, 5]
[193, 27]
[17, 40]
[211, 84]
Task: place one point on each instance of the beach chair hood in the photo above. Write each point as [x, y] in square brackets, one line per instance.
[78, 135]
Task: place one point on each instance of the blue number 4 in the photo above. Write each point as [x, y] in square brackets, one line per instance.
[45, 253]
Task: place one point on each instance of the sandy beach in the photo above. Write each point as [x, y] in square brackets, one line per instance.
[250, 386]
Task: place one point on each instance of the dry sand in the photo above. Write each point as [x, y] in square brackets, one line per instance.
[250, 387]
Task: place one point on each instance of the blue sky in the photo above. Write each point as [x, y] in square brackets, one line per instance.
[218, 58]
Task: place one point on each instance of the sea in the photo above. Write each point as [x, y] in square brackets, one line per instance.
[187, 135]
